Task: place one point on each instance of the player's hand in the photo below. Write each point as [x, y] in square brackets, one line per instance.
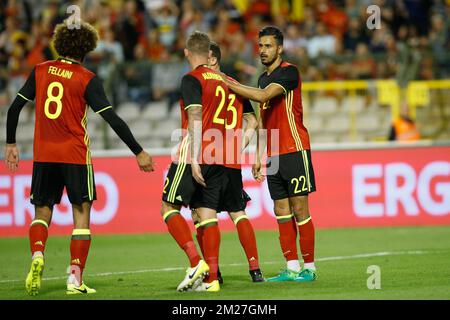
[197, 174]
[256, 171]
[12, 157]
[145, 162]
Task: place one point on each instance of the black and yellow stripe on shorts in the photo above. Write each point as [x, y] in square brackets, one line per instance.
[306, 164]
[90, 172]
[180, 169]
[290, 115]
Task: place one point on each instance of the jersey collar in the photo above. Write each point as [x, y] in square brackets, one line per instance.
[279, 66]
[67, 60]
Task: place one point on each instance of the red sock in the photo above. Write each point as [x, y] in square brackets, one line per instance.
[199, 237]
[248, 242]
[211, 244]
[79, 249]
[180, 231]
[288, 237]
[38, 236]
[307, 236]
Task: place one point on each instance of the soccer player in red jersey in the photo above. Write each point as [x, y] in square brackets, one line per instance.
[279, 95]
[63, 90]
[235, 198]
[196, 177]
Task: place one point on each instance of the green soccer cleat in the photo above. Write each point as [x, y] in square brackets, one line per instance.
[83, 289]
[306, 275]
[34, 277]
[285, 275]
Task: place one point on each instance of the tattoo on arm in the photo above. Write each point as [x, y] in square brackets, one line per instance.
[195, 131]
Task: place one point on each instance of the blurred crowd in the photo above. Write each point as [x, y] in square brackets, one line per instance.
[142, 39]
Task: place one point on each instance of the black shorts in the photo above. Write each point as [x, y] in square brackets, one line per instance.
[211, 195]
[50, 178]
[179, 186]
[295, 176]
[234, 197]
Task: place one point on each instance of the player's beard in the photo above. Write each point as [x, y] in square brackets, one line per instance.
[268, 63]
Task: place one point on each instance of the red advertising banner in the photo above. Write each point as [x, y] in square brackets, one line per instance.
[355, 188]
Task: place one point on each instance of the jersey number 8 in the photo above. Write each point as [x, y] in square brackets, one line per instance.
[56, 99]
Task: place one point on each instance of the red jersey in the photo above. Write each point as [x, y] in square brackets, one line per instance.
[204, 87]
[237, 107]
[284, 112]
[60, 133]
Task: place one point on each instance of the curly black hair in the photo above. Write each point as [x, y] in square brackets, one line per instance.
[75, 43]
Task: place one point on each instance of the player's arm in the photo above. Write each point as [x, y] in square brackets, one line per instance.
[261, 141]
[96, 99]
[287, 80]
[191, 92]
[27, 93]
[251, 123]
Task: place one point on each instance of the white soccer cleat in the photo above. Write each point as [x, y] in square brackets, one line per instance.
[212, 286]
[192, 275]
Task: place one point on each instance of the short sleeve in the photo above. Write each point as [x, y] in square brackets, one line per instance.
[95, 96]
[191, 91]
[28, 91]
[288, 78]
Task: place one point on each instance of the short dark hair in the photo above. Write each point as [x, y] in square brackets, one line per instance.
[272, 31]
[75, 43]
[215, 49]
[199, 43]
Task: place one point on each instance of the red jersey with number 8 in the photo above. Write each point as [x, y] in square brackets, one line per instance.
[60, 133]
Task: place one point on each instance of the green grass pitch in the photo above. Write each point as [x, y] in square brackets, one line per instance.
[414, 264]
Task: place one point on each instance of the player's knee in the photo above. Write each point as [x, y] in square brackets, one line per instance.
[282, 209]
[301, 213]
[44, 213]
[236, 215]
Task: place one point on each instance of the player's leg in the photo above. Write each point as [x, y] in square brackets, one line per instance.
[81, 191]
[288, 240]
[211, 245]
[307, 236]
[38, 235]
[38, 232]
[178, 190]
[248, 241]
[287, 228]
[46, 190]
[79, 248]
[199, 231]
[199, 236]
[300, 173]
[207, 201]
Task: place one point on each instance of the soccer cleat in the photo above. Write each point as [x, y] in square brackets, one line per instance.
[34, 277]
[285, 275]
[192, 274]
[213, 286]
[219, 276]
[306, 275]
[83, 289]
[256, 275]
